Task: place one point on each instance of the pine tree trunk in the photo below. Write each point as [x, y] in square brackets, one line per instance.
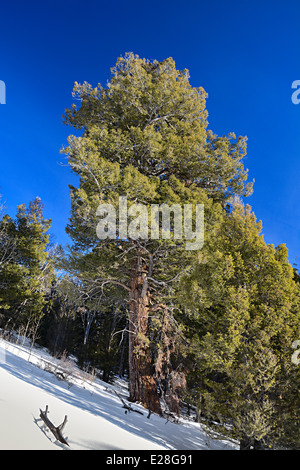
[142, 385]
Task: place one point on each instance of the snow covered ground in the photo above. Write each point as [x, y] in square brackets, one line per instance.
[96, 419]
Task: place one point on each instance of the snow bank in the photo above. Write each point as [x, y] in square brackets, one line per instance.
[96, 419]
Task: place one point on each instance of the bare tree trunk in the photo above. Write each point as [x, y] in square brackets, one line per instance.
[123, 341]
[89, 320]
[142, 384]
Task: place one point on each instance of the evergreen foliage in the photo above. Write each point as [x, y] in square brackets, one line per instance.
[25, 272]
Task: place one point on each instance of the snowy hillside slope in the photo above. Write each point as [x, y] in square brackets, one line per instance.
[96, 419]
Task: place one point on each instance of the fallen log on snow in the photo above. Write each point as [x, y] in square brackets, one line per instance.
[56, 430]
[126, 406]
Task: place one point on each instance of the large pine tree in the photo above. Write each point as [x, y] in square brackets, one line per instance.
[145, 136]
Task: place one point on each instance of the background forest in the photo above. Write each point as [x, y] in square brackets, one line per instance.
[211, 328]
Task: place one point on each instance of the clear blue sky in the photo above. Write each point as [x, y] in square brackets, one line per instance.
[246, 54]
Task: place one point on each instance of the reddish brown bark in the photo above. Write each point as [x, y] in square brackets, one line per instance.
[142, 384]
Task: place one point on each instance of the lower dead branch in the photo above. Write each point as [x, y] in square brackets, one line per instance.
[56, 430]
